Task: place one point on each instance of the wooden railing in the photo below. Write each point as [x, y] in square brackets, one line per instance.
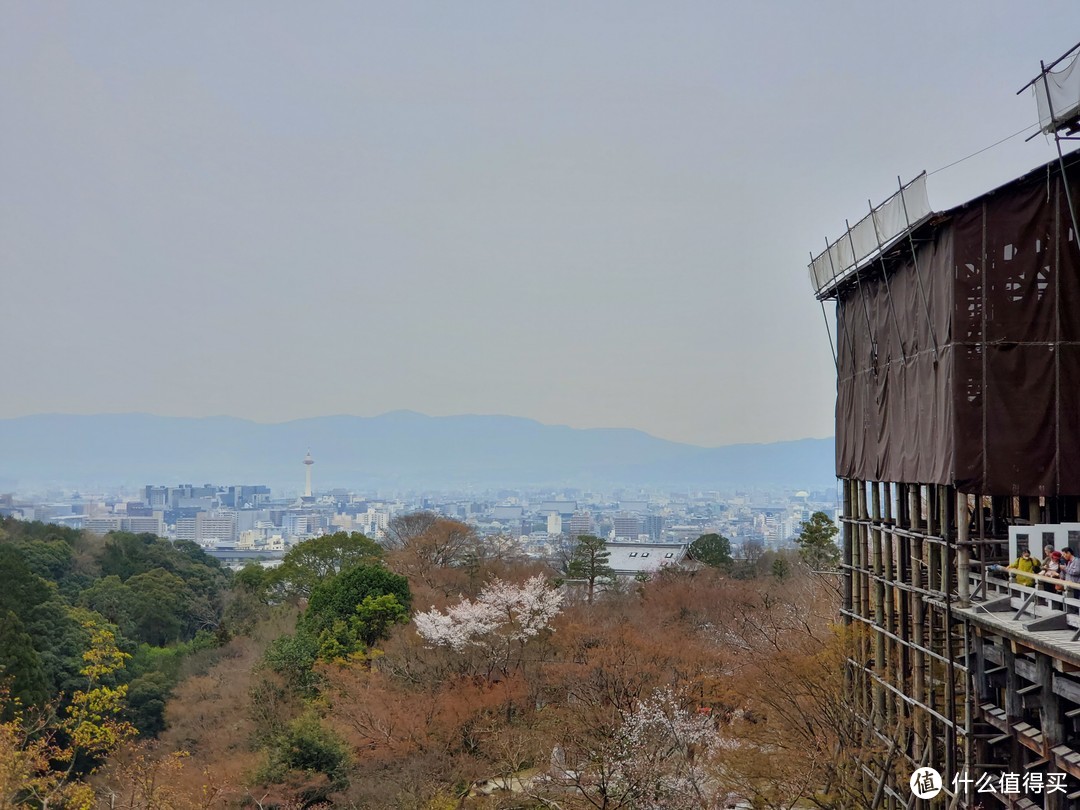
[1041, 601]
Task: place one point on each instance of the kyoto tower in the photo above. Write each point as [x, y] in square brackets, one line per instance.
[308, 461]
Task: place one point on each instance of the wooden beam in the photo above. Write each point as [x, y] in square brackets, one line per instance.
[1058, 621]
[1002, 605]
[1067, 688]
[1026, 669]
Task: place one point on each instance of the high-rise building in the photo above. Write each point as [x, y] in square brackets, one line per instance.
[554, 523]
[295, 524]
[580, 523]
[156, 497]
[186, 529]
[220, 527]
[205, 526]
[654, 527]
[145, 524]
[626, 527]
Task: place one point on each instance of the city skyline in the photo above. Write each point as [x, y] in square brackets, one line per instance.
[587, 216]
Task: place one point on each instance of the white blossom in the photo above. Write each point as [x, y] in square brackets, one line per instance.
[503, 611]
[662, 754]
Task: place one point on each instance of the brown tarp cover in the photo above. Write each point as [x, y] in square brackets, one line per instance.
[995, 407]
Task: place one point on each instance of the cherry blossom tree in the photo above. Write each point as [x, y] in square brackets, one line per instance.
[500, 623]
[663, 753]
[660, 755]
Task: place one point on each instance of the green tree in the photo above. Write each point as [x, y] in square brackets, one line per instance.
[23, 589]
[589, 561]
[252, 578]
[45, 618]
[376, 615]
[247, 602]
[713, 550]
[312, 561]
[112, 599]
[50, 559]
[780, 568]
[369, 624]
[146, 702]
[817, 544]
[21, 673]
[292, 657]
[338, 598]
[310, 758]
[162, 603]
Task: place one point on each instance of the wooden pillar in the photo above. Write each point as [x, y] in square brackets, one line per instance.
[890, 592]
[846, 578]
[915, 604]
[982, 688]
[1050, 721]
[963, 552]
[859, 595]
[847, 546]
[879, 604]
[1014, 705]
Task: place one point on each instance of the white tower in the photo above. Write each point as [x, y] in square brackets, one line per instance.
[308, 461]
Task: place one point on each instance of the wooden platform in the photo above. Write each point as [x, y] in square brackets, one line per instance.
[1027, 631]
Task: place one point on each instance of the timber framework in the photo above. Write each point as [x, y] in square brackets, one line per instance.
[957, 352]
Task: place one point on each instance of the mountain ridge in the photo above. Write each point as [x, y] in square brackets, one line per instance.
[398, 448]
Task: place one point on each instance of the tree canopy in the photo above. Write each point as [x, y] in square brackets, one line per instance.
[308, 563]
[713, 550]
[357, 589]
[589, 562]
[817, 544]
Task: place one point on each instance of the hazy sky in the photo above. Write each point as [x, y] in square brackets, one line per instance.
[587, 213]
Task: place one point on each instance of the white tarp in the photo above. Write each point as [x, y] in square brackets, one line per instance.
[905, 209]
[1064, 87]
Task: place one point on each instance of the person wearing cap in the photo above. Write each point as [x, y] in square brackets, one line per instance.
[1028, 564]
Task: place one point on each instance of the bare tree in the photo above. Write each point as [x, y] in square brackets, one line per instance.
[424, 542]
[403, 530]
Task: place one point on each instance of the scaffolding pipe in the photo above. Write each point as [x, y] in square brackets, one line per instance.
[885, 278]
[866, 307]
[918, 273]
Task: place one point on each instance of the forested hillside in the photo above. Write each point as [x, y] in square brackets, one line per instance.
[436, 670]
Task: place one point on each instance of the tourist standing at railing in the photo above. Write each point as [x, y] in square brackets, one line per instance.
[1028, 564]
[1052, 568]
[1071, 569]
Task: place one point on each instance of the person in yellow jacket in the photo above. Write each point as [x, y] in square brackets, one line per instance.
[1026, 563]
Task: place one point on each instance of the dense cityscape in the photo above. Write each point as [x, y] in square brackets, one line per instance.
[237, 523]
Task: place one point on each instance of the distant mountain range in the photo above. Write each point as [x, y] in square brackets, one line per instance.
[398, 449]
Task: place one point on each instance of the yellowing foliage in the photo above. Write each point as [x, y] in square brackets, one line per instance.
[36, 769]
